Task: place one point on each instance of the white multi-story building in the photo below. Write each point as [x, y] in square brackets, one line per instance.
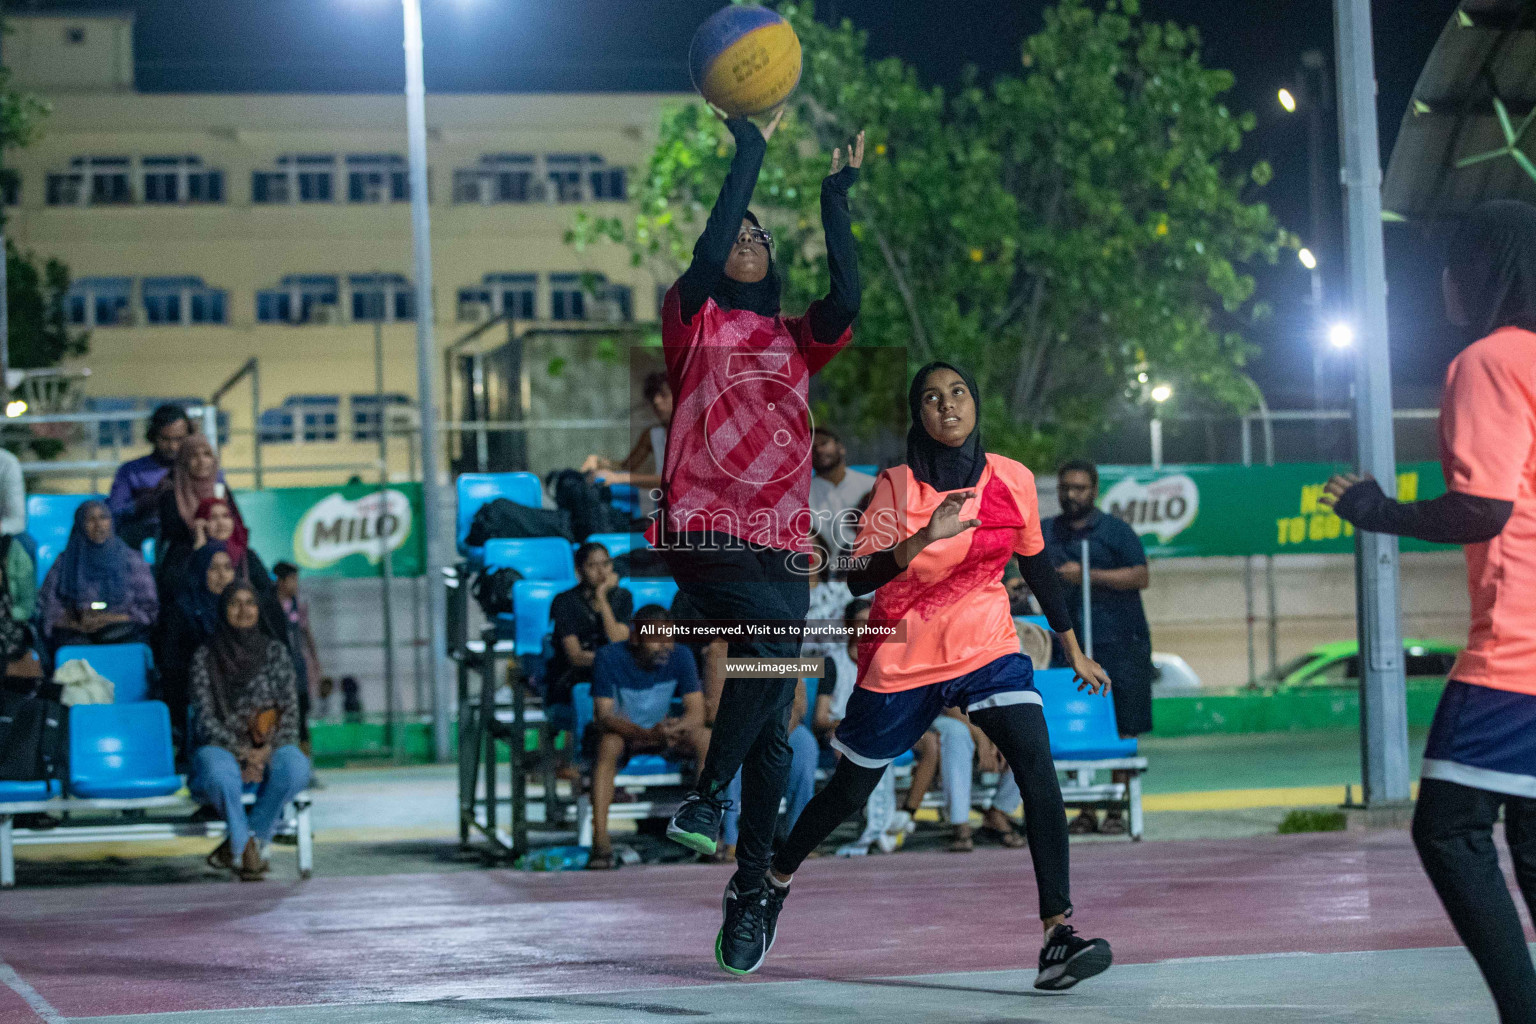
[203, 230]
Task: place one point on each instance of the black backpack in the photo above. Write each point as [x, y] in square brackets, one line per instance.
[34, 737]
[505, 518]
[493, 591]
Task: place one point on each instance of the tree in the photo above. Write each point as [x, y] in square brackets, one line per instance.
[1061, 231]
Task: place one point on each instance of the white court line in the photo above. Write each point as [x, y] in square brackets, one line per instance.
[40, 1006]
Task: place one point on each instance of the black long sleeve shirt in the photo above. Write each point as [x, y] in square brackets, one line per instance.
[1452, 518]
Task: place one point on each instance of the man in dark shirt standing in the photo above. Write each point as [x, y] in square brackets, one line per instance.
[592, 614]
[1121, 641]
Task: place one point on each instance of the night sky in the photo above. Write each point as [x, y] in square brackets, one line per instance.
[572, 45]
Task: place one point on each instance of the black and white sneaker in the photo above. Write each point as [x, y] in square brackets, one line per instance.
[751, 923]
[1066, 959]
[696, 824]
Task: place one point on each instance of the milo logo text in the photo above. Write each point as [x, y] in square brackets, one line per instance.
[336, 527]
[1164, 506]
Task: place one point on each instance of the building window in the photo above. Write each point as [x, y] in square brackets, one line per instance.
[99, 302]
[386, 297]
[377, 178]
[564, 172]
[513, 295]
[498, 178]
[365, 414]
[610, 184]
[99, 180]
[180, 179]
[182, 300]
[10, 187]
[589, 297]
[276, 426]
[298, 179]
[113, 433]
[318, 416]
[300, 299]
[567, 298]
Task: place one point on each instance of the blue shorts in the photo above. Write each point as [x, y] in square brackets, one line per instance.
[877, 728]
[1483, 738]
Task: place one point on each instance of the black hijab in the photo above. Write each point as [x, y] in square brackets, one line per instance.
[234, 655]
[1492, 259]
[760, 297]
[933, 462]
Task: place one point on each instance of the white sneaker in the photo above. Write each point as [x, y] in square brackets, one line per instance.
[852, 850]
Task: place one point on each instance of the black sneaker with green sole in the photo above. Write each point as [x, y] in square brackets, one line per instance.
[696, 824]
[749, 926]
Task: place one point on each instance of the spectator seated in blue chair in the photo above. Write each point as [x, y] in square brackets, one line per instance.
[589, 616]
[99, 591]
[247, 715]
[633, 686]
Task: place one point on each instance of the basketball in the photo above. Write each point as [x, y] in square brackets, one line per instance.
[745, 60]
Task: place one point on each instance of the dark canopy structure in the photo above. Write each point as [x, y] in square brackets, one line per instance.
[1469, 133]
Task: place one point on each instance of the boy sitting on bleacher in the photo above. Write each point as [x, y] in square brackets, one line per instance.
[633, 686]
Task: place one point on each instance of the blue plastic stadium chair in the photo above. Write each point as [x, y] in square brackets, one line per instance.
[903, 759]
[618, 543]
[476, 489]
[50, 517]
[127, 665]
[646, 591]
[121, 751]
[625, 498]
[1038, 620]
[15, 792]
[530, 617]
[1081, 724]
[640, 764]
[536, 558]
[870, 469]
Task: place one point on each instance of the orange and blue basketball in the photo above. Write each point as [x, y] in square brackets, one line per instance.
[745, 60]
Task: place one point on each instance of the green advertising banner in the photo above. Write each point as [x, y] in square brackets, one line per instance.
[1194, 511]
[335, 531]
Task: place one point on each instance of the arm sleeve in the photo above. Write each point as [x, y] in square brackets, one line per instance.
[561, 621]
[875, 572]
[143, 599]
[21, 580]
[603, 682]
[834, 314]
[882, 526]
[1487, 425]
[120, 497]
[1045, 583]
[1127, 546]
[14, 499]
[286, 697]
[214, 730]
[1452, 518]
[714, 246]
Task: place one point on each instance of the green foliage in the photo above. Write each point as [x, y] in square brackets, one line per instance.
[1059, 231]
[1312, 821]
[39, 334]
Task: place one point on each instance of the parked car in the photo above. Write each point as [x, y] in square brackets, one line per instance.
[1172, 676]
[1338, 664]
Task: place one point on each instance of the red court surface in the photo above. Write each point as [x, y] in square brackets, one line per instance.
[119, 950]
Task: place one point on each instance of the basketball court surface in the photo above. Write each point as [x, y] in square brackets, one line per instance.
[1323, 927]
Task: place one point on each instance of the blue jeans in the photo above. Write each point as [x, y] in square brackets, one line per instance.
[215, 780]
[805, 754]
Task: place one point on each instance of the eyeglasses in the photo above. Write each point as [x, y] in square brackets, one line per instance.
[758, 235]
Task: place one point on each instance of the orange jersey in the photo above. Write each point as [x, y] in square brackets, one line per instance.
[951, 597]
[1488, 449]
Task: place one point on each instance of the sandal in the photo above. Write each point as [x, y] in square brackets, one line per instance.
[1113, 825]
[222, 858]
[1008, 837]
[1084, 824]
[961, 841]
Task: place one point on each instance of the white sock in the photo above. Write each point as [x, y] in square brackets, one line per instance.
[778, 884]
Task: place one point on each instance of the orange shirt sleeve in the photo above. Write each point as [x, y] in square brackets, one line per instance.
[1488, 426]
[1028, 540]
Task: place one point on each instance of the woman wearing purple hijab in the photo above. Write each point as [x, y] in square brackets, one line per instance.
[99, 591]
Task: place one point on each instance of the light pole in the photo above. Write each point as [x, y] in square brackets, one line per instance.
[1383, 695]
[426, 361]
[1159, 394]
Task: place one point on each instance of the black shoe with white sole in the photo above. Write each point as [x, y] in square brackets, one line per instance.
[696, 824]
[1067, 959]
[751, 923]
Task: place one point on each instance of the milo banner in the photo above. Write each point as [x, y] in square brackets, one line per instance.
[1210, 510]
[336, 531]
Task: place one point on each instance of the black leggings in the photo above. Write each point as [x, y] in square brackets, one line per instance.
[726, 579]
[1453, 830]
[1020, 734]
